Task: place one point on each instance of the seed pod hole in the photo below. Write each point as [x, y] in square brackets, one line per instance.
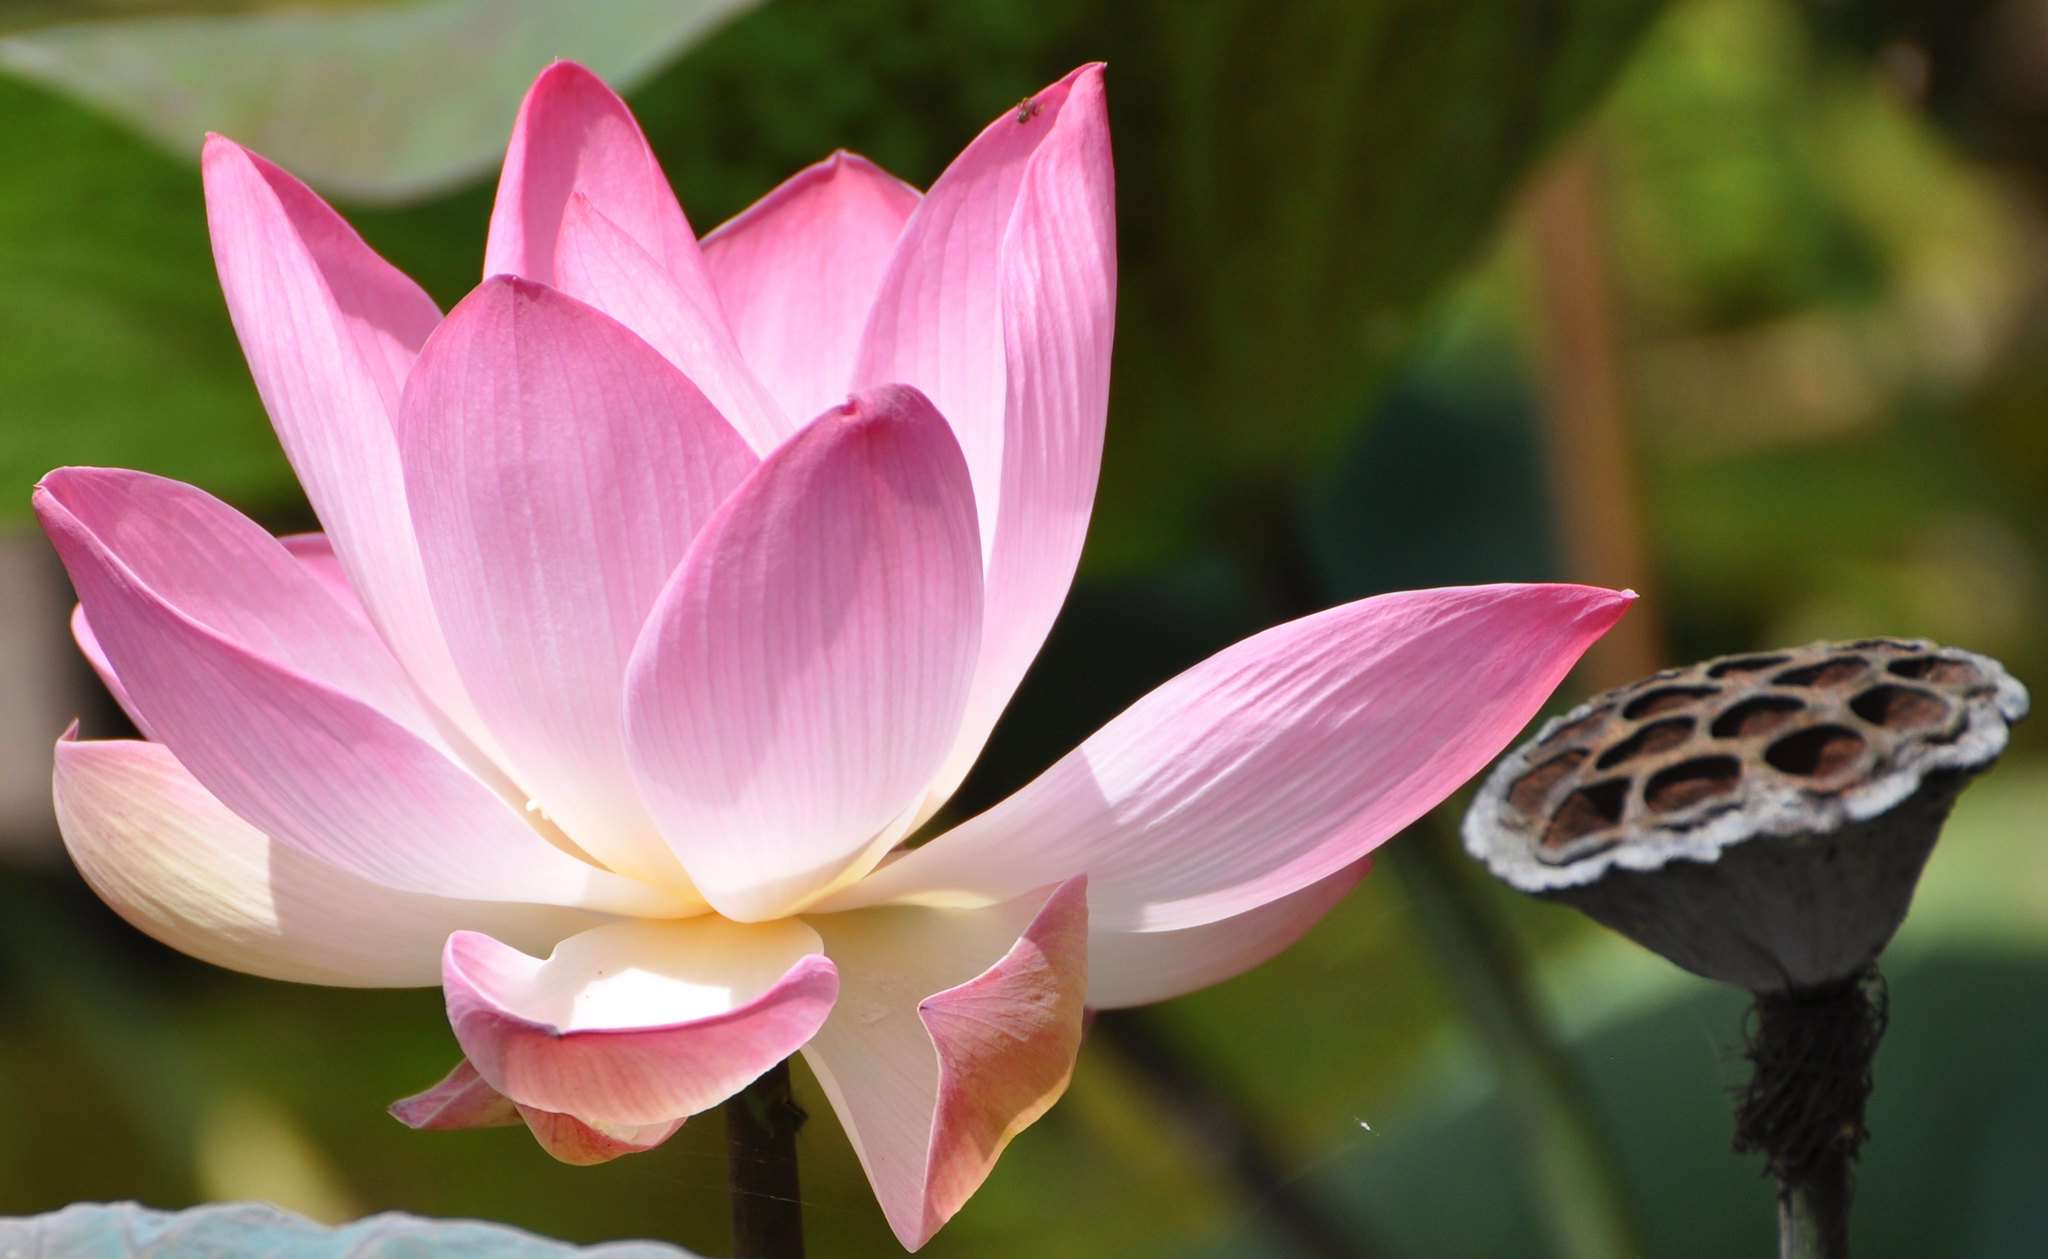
[1759, 714]
[1816, 752]
[1938, 670]
[1900, 707]
[1583, 725]
[1666, 699]
[1744, 665]
[1691, 782]
[1533, 788]
[1827, 675]
[1660, 736]
[1590, 808]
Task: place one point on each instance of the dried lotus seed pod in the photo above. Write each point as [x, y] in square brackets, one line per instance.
[1759, 819]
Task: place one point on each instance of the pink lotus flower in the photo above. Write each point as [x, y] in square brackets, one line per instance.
[633, 643]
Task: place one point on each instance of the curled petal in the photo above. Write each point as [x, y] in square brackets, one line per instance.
[1272, 765]
[580, 1144]
[931, 1088]
[803, 673]
[460, 1100]
[1140, 967]
[464, 1100]
[183, 869]
[637, 1023]
[797, 271]
[557, 469]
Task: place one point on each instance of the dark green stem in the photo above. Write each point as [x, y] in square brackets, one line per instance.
[1810, 1053]
[761, 1123]
[1580, 1186]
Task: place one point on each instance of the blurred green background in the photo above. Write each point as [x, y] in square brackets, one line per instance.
[1738, 302]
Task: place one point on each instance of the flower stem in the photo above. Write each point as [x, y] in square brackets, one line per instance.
[1810, 1050]
[761, 1123]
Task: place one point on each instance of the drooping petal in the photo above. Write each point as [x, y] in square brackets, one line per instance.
[1272, 765]
[570, 1140]
[308, 764]
[797, 271]
[574, 135]
[637, 1023]
[463, 1100]
[557, 469]
[597, 262]
[330, 331]
[184, 869]
[1140, 967]
[804, 671]
[955, 1031]
[1057, 283]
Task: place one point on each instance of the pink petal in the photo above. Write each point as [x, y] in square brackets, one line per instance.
[310, 549]
[637, 1023]
[797, 271]
[330, 331]
[597, 262]
[574, 135]
[931, 1088]
[1140, 967]
[224, 571]
[185, 870]
[96, 656]
[317, 554]
[460, 1100]
[1058, 292]
[579, 1144]
[937, 321]
[804, 671]
[1275, 763]
[557, 469]
[301, 760]
[464, 1100]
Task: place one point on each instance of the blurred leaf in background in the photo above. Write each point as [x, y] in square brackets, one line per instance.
[1294, 185]
[359, 99]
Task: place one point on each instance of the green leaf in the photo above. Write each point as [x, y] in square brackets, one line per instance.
[371, 101]
[127, 1231]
